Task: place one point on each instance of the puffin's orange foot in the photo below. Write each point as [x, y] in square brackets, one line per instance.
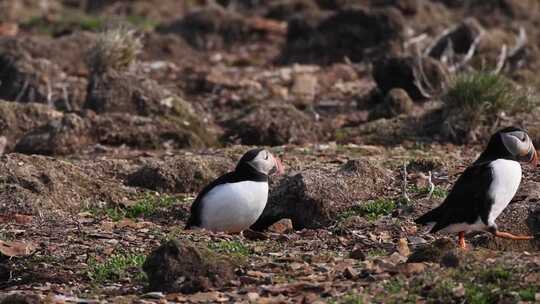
[461, 241]
[506, 235]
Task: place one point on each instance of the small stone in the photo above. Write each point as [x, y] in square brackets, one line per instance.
[416, 240]
[459, 291]
[305, 87]
[254, 235]
[403, 247]
[253, 297]
[357, 254]
[432, 252]
[3, 144]
[450, 260]
[396, 258]
[537, 296]
[350, 273]
[409, 269]
[282, 226]
[398, 101]
[154, 295]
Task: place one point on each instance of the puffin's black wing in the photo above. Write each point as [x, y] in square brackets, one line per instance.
[467, 200]
[196, 207]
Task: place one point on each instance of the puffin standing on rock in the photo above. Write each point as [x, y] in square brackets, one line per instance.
[234, 201]
[485, 188]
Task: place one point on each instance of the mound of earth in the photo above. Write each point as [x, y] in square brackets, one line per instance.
[273, 124]
[38, 184]
[180, 174]
[313, 198]
[353, 33]
[184, 267]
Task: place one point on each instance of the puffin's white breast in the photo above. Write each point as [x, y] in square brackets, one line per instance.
[233, 207]
[506, 176]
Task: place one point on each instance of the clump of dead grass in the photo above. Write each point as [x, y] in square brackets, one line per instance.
[479, 100]
[115, 50]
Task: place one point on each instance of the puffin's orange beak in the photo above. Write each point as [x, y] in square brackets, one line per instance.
[279, 166]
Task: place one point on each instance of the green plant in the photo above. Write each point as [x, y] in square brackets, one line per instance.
[481, 92]
[115, 267]
[69, 21]
[438, 191]
[495, 275]
[142, 22]
[527, 294]
[393, 286]
[476, 294]
[478, 98]
[442, 291]
[375, 252]
[372, 210]
[348, 299]
[232, 247]
[147, 206]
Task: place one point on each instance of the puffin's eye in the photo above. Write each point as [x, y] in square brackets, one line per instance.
[266, 157]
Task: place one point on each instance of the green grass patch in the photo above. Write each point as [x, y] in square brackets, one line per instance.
[148, 206]
[438, 191]
[393, 286]
[480, 93]
[476, 294]
[67, 22]
[348, 299]
[232, 247]
[477, 99]
[474, 284]
[116, 267]
[371, 210]
[142, 22]
[528, 294]
[496, 275]
[72, 20]
[375, 252]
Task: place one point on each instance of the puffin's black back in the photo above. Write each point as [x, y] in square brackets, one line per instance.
[243, 172]
[468, 199]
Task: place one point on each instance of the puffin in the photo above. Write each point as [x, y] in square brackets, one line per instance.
[485, 188]
[234, 201]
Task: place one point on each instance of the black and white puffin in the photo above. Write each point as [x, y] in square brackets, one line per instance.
[485, 188]
[235, 200]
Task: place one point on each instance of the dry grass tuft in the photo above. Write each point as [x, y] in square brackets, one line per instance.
[479, 100]
[115, 50]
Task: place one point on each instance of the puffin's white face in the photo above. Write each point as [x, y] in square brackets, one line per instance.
[264, 162]
[520, 145]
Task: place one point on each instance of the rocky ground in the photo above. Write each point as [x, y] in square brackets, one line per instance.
[114, 114]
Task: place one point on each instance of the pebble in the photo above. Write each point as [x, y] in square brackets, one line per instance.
[253, 297]
[154, 295]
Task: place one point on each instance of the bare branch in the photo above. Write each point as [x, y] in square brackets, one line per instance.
[431, 185]
[404, 189]
[501, 59]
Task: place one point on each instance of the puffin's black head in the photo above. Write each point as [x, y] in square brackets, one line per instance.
[511, 143]
[261, 160]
